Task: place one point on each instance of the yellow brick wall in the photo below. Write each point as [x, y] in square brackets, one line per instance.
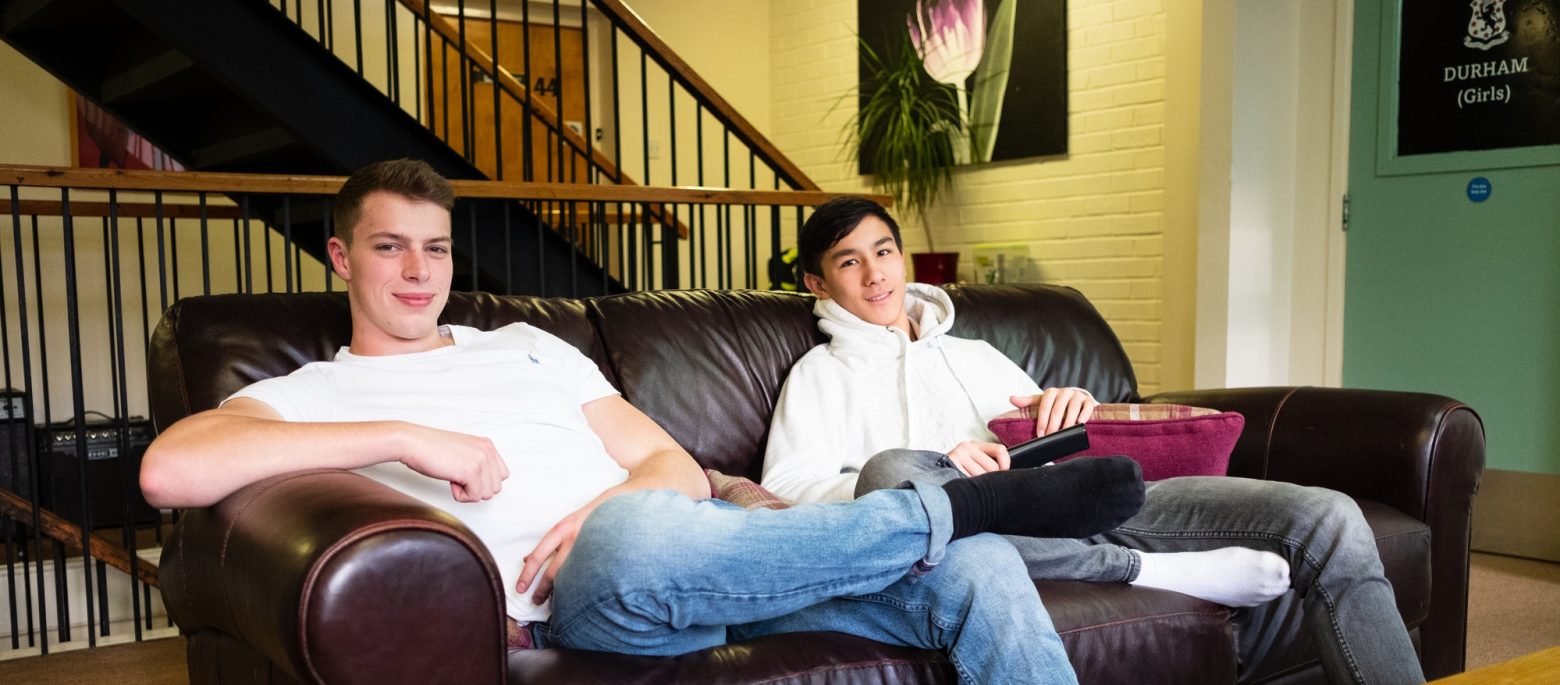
[1093, 219]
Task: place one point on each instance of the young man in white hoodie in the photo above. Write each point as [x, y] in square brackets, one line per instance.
[893, 398]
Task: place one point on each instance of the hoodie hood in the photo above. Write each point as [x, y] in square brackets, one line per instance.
[929, 307]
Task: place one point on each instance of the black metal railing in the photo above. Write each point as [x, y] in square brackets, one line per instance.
[580, 92]
[90, 258]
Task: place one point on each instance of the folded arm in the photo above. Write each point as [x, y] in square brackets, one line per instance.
[205, 457]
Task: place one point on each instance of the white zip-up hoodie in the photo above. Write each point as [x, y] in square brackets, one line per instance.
[870, 389]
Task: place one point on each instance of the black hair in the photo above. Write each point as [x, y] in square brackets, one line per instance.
[832, 221]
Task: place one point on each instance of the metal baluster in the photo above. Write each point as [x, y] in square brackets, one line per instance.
[444, 84]
[631, 259]
[128, 484]
[541, 253]
[774, 235]
[466, 117]
[498, 111]
[471, 214]
[558, 85]
[669, 266]
[325, 211]
[590, 132]
[617, 122]
[173, 244]
[78, 405]
[238, 260]
[35, 482]
[287, 243]
[601, 235]
[425, 51]
[140, 253]
[509, 252]
[357, 32]
[265, 236]
[20, 456]
[527, 144]
[249, 257]
[393, 72]
[574, 247]
[644, 113]
[205, 248]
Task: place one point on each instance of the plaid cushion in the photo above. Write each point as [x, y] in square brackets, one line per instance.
[517, 635]
[1126, 412]
[743, 492]
[1148, 412]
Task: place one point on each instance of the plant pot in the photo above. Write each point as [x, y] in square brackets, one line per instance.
[935, 268]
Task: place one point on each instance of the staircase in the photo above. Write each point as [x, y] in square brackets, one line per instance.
[256, 87]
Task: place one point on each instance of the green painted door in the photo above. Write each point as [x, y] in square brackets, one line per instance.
[1444, 294]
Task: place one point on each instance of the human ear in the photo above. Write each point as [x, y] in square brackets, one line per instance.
[816, 285]
[338, 258]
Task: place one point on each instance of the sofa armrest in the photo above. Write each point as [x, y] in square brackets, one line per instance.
[1420, 454]
[337, 578]
[1414, 452]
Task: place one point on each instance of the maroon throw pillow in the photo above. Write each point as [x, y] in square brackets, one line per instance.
[1167, 440]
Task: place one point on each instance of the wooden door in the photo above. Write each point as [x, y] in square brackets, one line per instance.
[552, 158]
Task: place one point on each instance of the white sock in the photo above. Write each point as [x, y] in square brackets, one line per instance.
[1232, 576]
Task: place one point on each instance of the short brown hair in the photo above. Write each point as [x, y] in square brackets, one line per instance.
[410, 178]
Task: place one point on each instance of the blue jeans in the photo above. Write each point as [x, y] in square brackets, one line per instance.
[656, 573]
[1340, 591]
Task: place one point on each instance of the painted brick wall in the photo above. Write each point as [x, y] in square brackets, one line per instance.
[1092, 219]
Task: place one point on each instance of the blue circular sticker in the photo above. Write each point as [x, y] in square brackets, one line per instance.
[1479, 189]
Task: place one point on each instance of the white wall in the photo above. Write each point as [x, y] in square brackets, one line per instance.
[1271, 312]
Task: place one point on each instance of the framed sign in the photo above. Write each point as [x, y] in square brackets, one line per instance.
[1473, 76]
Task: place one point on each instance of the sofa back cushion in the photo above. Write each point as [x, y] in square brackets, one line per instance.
[1052, 332]
[706, 365]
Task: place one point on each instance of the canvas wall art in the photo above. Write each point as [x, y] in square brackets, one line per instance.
[999, 65]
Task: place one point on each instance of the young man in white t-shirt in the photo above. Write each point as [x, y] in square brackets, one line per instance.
[599, 522]
[892, 397]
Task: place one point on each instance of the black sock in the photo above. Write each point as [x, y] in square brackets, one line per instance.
[1075, 499]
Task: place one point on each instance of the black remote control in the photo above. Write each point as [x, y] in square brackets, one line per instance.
[1044, 450]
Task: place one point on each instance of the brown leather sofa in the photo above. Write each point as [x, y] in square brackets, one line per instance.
[326, 576]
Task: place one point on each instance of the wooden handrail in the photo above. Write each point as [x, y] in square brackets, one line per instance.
[217, 182]
[641, 33]
[54, 527]
[129, 210]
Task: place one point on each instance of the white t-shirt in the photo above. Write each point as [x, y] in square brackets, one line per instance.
[519, 386]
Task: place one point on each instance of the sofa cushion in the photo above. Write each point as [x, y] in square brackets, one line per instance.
[778, 659]
[1114, 631]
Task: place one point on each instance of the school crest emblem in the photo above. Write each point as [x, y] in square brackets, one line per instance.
[1487, 26]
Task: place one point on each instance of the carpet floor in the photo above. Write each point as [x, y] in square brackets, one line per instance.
[1514, 609]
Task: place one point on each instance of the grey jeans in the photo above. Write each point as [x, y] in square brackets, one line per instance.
[1339, 595]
